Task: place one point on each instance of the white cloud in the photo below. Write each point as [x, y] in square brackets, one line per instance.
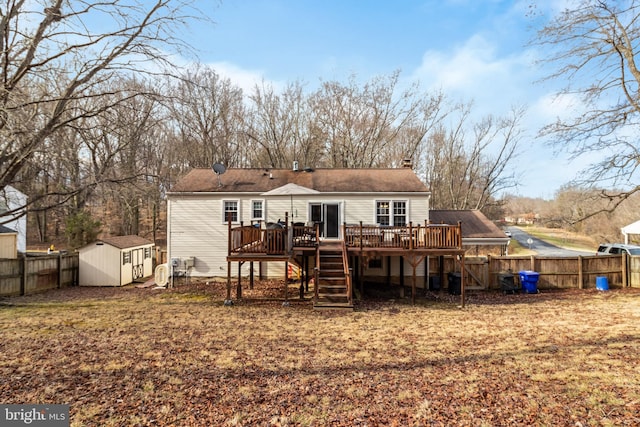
[473, 71]
[476, 71]
[551, 106]
[244, 79]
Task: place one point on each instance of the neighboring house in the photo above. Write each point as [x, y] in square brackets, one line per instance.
[13, 214]
[632, 229]
[115, 261]
[477, 230]
[8, 243]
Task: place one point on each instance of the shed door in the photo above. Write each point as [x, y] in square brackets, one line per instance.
[137, 259]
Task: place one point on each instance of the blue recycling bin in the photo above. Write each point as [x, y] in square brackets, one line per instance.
[529, 280]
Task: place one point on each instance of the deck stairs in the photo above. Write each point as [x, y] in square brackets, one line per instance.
[332, 287]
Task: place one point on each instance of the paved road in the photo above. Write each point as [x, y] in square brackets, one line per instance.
[542, 248]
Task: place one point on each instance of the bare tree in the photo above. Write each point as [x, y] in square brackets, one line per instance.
[469, 172]
[102, 160]
[594, 46]
[55, 55]
[361, 124]
[207, 111]
[283, 128]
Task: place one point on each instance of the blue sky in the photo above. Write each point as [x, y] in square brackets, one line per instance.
[474, 50]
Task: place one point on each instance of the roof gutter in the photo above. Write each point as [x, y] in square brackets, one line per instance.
[368, 193]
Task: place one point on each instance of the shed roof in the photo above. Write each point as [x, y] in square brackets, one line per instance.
[474, 224]
[124, 242]
[5, 229]
[252, 180]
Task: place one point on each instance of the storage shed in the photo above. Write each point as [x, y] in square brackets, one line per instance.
[8, 243]
[115, 261]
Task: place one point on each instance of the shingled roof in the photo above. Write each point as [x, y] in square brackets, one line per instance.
[474, 224]
[124, 242]
[323, 180]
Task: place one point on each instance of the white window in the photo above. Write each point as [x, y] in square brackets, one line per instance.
[399, 212]
[231, 211]
[382, 212]
[257, 209]
[391, 212]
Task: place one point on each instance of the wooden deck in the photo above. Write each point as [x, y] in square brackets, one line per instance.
[283, 242]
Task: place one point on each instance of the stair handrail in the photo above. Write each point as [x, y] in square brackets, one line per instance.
[347, 275]
[316, 273]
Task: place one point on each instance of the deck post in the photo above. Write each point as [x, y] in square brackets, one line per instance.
[251, 275]
[301, 270]
[462, 270]
[356, 262]
[306, 272]
[441, 271]
[228, 301]
[286, 283]
[413, 284]
[239, 286]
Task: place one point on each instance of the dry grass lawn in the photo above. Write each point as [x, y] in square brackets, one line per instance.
[179, 357]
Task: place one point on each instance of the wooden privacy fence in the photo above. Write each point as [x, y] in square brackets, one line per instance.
[32, 274]
[555, 273]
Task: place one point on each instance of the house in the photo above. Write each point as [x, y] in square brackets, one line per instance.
[363, 222]
[115, 261]
[13, 214]
[632, 229]
[8, 243]
[199, 206]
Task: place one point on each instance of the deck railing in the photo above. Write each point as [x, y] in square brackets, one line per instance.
[347, 273]
[274, 239]
[253, 239]
[427, 236]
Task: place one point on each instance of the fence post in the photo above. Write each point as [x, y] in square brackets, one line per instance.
[580, 278]
[533, 263]
[23, 276]
[625, 281]
[59, 270]
[486, 272]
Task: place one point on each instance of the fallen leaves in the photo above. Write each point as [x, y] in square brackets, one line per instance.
[179, 357]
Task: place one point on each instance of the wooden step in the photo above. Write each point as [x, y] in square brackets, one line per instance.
[331, 274]
[328, 305]
[332, 285]
[332, 290]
